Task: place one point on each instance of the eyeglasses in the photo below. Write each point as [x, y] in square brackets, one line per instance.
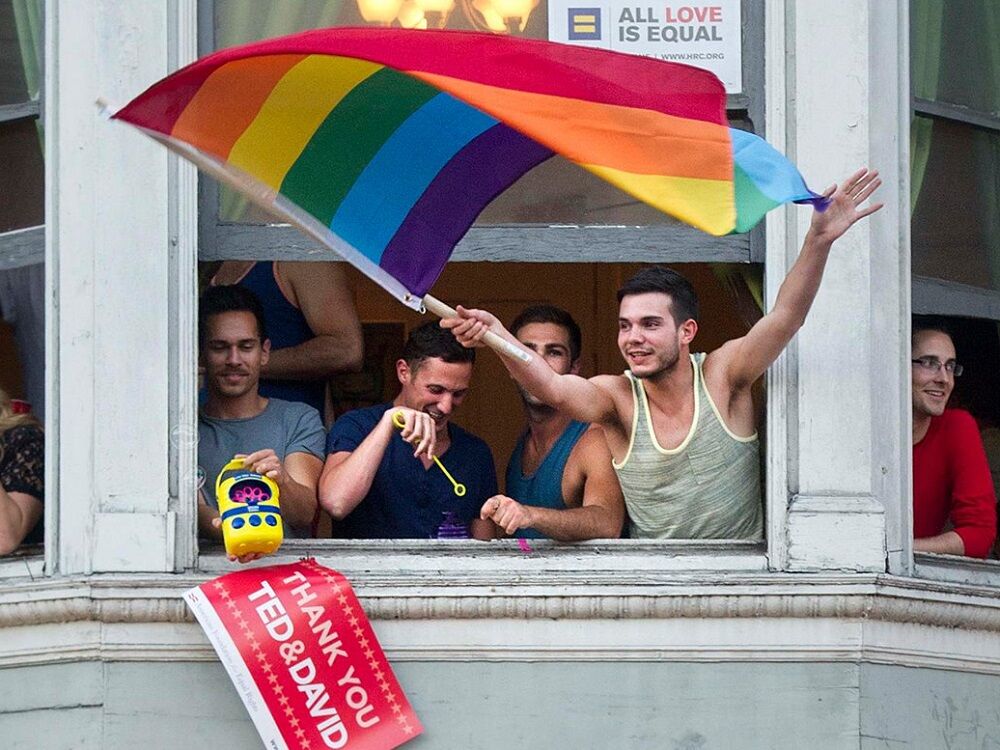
[933, 364]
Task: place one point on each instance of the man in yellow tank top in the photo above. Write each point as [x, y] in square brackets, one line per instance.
[681, 426]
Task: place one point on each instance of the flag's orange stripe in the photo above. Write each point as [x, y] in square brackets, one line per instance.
[625, 139]
[229, 100]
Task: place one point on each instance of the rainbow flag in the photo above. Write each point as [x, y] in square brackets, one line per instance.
[386, 144]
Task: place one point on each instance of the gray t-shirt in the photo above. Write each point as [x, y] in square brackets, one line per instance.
[284, 426]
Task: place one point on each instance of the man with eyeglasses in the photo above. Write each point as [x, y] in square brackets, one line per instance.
[954, 504]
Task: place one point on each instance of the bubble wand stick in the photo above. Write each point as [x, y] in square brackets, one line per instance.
[400, 422]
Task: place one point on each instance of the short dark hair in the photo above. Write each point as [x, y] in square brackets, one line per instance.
[223, 299]
[921, 323]
[683, 298]
[551, 314]
[431, 340]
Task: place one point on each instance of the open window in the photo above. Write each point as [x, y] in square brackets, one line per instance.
[955, 177]
[22, 269]
[559, 235]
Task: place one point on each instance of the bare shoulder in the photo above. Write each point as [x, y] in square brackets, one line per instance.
[619, 389]
[591, 448]
[617, 386]
[718, 360]
[718, 367]
[312, 274]
[309, 270]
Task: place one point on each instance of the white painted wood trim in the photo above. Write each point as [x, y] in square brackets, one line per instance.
[102, 245]
[778, 618]
[52, 271]
[889, 240]
[183, 312]
[780, 377]
[21, 566]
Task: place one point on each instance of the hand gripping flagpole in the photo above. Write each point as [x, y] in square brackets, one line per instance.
[498, 344]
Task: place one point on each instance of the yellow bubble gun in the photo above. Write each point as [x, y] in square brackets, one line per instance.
[251, 516]
[400, 422]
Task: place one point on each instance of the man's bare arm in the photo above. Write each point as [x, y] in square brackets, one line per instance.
[600, 515]
[322, 294]
[744, 360]
[19, 512]
[298, 495]
[207, 515]
[579, 398]
[348, 475]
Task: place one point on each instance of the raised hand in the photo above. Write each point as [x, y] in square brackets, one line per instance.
[845, 205]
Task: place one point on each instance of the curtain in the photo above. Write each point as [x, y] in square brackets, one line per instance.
[925, 67]
[28, 19]
[988, 157]
[22, 290]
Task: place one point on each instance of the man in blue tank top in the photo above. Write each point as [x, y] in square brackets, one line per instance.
[313, 326]
[560, 482]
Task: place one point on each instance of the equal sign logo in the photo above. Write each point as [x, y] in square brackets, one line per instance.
[584, 24]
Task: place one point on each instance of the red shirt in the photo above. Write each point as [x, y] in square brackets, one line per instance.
[952, 482]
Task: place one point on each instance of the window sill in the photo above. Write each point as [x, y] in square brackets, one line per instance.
[500, 562]
[27, 562]
[956, 569]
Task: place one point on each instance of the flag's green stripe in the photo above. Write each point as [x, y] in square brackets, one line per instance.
[751, 203]
[349, 138]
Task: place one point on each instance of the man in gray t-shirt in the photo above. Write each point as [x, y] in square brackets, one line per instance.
[287, 427]
[282, 440]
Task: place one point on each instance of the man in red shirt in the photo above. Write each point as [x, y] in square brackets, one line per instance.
[954, 504]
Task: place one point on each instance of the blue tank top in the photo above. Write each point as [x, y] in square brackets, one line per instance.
[286, 326]
[543, 488]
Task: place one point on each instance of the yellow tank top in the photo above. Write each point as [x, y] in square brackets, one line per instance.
[708, 487]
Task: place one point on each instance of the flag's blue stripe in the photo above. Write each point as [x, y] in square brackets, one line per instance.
[401, 170]
[775, 176]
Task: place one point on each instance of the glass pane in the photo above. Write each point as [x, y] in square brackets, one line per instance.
[22, 176]
[955, 52]
[956, 222]
[555, 192]
[20, 50]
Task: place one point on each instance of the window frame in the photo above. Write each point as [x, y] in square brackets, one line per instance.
[934, 296]
[19, 248]
[412, 560]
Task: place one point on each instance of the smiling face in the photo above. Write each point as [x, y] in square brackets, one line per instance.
[648, 338]
[435, 387]
[931, 390]
[233, 354]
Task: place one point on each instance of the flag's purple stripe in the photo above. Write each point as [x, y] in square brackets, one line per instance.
[478, 173]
